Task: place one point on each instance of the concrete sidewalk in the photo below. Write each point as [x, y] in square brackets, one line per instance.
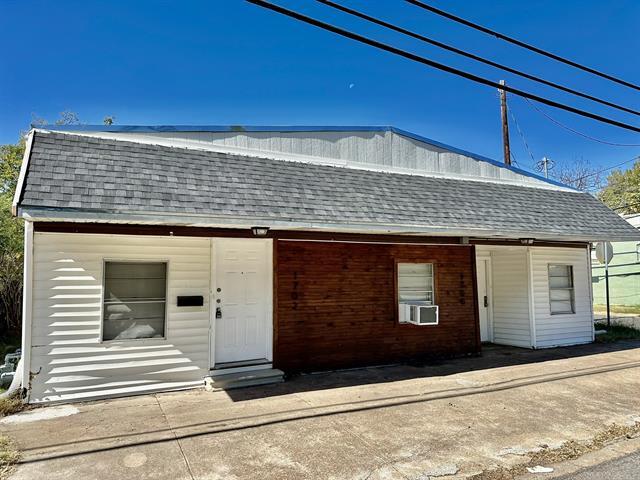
[405, 422]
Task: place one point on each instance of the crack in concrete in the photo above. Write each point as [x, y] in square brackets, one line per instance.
[175, 436]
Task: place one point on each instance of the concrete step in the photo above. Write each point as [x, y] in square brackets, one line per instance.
[226, 381]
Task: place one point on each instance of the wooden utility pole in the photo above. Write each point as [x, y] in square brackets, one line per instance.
[505, 124]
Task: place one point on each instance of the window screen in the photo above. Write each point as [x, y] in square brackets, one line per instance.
[134, 300]
[561, 292]
[415, 282]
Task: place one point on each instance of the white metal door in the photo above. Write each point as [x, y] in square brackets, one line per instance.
[242, 300]
[483, 299]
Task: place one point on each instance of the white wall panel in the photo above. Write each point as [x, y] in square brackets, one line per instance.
[564, 329]
[69, 362]
[511, 322]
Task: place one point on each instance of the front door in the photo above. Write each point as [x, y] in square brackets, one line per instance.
[242, 300]
[483, 298]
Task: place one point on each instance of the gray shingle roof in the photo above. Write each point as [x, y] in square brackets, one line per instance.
[102, 176]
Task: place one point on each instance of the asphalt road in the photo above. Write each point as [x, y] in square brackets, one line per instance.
[624, 468]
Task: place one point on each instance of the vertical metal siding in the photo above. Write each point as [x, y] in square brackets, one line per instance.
[382, 149]
[68, 359]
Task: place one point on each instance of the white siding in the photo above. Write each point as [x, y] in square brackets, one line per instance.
[511, 323]
[565, 329]
[68, 360]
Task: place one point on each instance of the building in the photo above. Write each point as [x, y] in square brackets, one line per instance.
[624, 274]
[158, 256]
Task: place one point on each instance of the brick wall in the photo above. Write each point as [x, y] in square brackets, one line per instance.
[336, 307]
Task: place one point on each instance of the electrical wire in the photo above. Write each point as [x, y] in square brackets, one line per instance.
[589, 137]
[522, 44]
[522, 137]
[437, 65]
[472, 56]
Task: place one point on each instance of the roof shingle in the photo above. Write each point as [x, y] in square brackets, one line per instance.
[113, 176]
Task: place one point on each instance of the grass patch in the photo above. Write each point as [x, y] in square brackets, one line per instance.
[616, 332]
[11, 405]
[617, 309]
[9, 456]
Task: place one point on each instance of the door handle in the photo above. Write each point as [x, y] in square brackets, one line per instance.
[486, 301]
[218, 312]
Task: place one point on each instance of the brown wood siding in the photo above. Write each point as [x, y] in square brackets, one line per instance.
[336, 305]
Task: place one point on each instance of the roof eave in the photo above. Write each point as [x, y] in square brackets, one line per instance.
[38, 214]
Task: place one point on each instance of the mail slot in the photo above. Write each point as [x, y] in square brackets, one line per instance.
[190, 300]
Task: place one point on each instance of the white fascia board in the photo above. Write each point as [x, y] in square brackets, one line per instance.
[23, 172]
[293, 157]
[145, 218]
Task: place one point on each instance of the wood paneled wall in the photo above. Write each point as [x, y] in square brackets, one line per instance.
[336, 305]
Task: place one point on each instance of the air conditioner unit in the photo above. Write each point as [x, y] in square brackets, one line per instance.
[418, 313]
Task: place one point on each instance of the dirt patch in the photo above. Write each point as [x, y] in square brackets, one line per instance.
[567, 451]
[8, 457]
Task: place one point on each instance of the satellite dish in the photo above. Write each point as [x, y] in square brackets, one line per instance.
[604, 252]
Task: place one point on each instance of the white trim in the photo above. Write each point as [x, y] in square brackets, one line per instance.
[27, 308]
[293, 157]
[23, 172]
[269, 274]
[488, 272]
[143, 340]
[532, 308]
[590, 290]
[212, 302]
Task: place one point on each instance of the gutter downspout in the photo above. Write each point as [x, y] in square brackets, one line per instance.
[532, 315]
[27, 309]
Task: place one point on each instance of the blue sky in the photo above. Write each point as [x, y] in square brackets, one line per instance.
[230, 62]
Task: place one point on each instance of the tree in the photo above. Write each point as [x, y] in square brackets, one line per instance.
[578, 174]
[622, 192]
[11, 228]
[11, 235]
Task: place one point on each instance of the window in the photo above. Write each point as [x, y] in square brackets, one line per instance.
[135, 295]
[561, 293]
[415, 282]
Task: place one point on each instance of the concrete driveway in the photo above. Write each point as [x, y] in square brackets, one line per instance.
[405, 422]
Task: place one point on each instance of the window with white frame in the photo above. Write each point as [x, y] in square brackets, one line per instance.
[561, 289]
[135, 297]
[415, 282]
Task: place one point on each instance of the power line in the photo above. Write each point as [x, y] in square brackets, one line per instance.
[522, 44]
[589, 137]
[521, 133]
[472, 56]
[439, 66]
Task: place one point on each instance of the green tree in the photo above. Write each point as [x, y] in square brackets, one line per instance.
[622, 192]
[11, 235]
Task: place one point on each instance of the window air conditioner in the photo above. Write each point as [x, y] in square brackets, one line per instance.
[419, 313]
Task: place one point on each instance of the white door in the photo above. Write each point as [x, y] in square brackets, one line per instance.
[483, 299]
[242, 300]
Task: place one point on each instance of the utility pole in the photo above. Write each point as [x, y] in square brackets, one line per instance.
[505, 124]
